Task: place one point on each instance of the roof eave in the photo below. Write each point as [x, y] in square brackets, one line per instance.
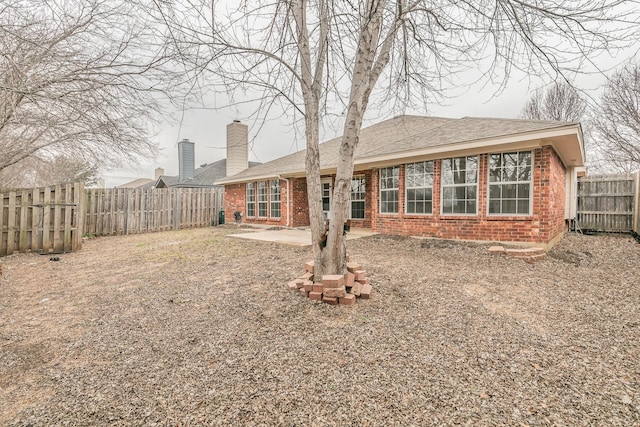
[519, 141]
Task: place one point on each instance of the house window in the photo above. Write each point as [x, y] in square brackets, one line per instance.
[419, 188]
[510, 183]
[326, 196]
[460, 185]
[275, 198]
[357, 197]
[262, 199]
[389, 180]
[251, 199]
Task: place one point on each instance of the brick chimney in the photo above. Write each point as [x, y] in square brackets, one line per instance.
[237, 147]
[159, 172]
[186, 159]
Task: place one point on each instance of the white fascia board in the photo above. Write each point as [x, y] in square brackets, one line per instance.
[244, 180]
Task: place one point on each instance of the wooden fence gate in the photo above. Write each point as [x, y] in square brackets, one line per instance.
[54, 219]
[45, 219]
[609, 203]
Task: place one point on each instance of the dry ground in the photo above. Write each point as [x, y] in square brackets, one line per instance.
[194, 328]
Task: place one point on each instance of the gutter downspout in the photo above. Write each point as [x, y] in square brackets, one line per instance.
[288, 197]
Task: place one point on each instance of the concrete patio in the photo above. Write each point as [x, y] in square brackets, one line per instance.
[300, 237]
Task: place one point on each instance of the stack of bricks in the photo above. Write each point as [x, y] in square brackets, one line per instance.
[334, 288]
[529, 255]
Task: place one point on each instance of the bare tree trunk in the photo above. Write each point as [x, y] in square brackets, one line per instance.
[335, 257]
[314, 190]
[311, 83]
[370, 60]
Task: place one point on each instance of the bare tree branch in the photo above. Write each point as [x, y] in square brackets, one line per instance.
[617, 120]
[80, 78]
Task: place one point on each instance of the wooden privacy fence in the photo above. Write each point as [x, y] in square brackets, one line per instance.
[609, 203]
[42, 219]
[129, 210]
[54, 219]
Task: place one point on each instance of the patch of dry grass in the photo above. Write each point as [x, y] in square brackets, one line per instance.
[195, 328]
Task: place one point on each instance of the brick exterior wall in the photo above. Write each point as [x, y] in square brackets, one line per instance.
[300, 209]
[235, 200]
[543, 225]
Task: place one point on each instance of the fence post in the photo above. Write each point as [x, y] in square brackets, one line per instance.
[636, 205]
[176, 210]
[80, 214]
[3, 249]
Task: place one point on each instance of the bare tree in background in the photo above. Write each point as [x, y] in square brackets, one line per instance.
[563, 102]
[617, 119]
[79, 79]
[560, 102]
[322, 58]
[39, 172]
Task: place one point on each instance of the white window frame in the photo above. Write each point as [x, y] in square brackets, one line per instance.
[395, 170]
[262, 201]
[253, 196]
[362, 200]
[422, 187]
[465, 184]
[327, 180]
[500, 183]
[274, 199]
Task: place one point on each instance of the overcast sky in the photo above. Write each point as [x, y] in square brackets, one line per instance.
[206, 127]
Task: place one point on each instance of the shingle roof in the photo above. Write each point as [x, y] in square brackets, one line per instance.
[399, 135]
[138, 183]
[204, 176]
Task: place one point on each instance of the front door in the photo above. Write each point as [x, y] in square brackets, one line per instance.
[326, 198]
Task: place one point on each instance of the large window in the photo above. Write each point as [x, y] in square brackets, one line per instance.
[419, 188]
[389, 180]
[275, 198]
[510, 183]
[460, 185]
[251, 199]
[262, 199]
[357, 197]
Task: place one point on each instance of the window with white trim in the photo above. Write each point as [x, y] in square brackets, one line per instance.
[460, 185]
[274, 196]
[510, 183]
[419, 188]
[251, 199]
[389, 183]
[357, 197]
[262, 199]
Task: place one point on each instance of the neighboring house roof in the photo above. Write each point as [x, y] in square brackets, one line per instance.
[138, 183]
[204, 176]
[407, 137]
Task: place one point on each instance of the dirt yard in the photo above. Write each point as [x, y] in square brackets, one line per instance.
[195, 328]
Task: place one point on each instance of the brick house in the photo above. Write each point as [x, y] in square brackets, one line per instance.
[482, 179]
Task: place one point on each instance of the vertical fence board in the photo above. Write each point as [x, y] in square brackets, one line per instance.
[23, 224]
[636, 206]
[46, 220]
[11, 224]
[57, 213]
[3, 221]
[38, 214]
[78, 216]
